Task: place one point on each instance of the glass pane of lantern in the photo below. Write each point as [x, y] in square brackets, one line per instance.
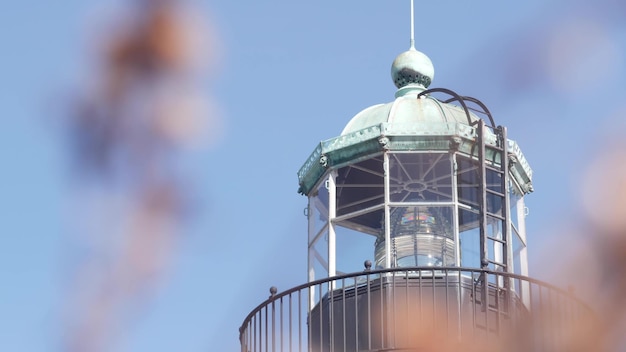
[318, 211]
[320, 290]
[367, 221]
[518, 246]
[417, 177]
[517, 205]
[494, 204]
[361, 186]
[420, 236]
[467, 181]
[353, 249]
[319, 255]
[469, 237]
[494, 180]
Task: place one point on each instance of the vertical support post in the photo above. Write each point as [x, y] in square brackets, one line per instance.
[387, 211]
[311, 229]
[482, 197]
[455, 213]
[506, 232]
[332, 213]
[457, 240]
[521, 228]
[506, 206]
[310, 257]
[482, 205]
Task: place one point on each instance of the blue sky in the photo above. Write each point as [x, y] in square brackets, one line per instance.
[289, 74]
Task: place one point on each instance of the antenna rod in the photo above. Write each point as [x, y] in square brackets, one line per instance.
[412, 26]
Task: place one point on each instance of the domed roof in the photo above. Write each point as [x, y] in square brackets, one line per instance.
[412, 72]
[414, 121]
[407, 109]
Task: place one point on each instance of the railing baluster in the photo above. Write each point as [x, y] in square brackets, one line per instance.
[549, 307]
[343, 312]
[300, 320]
[369, 314]
[356, 314]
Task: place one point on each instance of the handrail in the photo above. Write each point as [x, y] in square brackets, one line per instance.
[446, 269]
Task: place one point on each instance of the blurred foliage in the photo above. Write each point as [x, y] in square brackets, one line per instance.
[128, 133]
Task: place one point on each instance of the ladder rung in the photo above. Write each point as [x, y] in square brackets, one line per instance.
[503, 313]
[494, 169]
[496, 263]
[494, 192]
[493, 215]
[499, 147]
[497, 239]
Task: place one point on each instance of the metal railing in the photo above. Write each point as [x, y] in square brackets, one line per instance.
[414, 309]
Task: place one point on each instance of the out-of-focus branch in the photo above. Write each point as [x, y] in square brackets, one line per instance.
[126, 140]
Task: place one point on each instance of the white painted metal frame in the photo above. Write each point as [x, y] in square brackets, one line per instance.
[332, 213]
[389, 204]
[387, 212]
[329, 263]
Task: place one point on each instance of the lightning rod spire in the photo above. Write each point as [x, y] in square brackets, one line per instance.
[412, 25]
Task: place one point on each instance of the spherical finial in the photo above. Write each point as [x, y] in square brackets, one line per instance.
[273, 291]
[412, 67]
[368, 265]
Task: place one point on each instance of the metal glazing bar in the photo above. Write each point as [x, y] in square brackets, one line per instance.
[360, 212]
[421, 204]
[360, 201]
[373, 172]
